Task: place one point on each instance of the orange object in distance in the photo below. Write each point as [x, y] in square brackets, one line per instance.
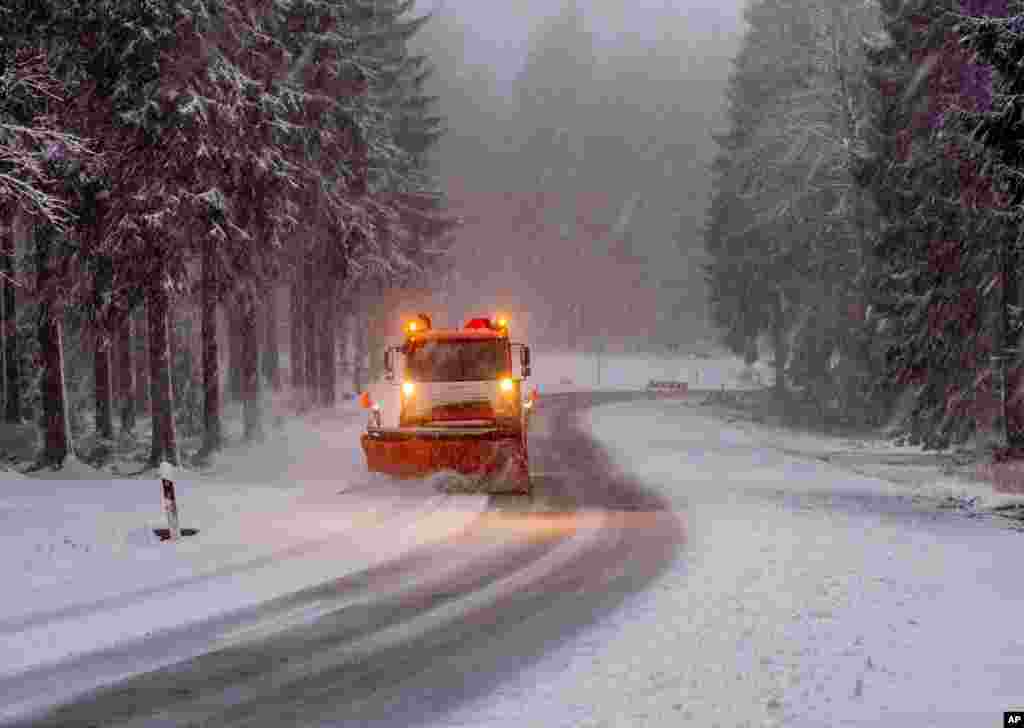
[422, 322]
[365, 401]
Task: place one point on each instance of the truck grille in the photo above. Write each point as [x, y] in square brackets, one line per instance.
[462, 411]
[441, 402]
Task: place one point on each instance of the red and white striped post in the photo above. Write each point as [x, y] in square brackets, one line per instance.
[170, 503]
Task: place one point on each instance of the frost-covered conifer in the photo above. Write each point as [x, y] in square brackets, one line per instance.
[935, 308]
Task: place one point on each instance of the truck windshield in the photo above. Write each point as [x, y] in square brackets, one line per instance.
[464, 360]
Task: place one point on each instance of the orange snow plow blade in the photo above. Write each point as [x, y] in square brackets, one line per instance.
[493, 462]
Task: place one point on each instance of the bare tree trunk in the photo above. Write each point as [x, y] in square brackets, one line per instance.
[328, 352]
[235, 358]
[297, 353]
[750, 352]
[183, 372]
[570, 327]
[56, 427]
[360, 374]
[126, 376]
[142, 397]
[12, 369]
[272, 351]
[251, 397]
[212, 431]
[312, 343]
[102, 371]
[165, 445]
[781, 346]
[342, 346]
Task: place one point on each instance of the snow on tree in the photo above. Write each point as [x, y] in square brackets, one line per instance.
[233, 139]
[29, 138]
[753, 233]
[992, 124]
[935, 299]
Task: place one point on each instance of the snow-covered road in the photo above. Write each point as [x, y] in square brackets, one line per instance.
[707, 575]
[411, 638]
[805, 596]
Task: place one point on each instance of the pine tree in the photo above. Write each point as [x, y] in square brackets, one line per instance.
[555, 91]
[29, 182]
[56, 426]
[992, 124]
[271, 361]
[754, 274]
[824, 121]
[238, 138]
[933, 287]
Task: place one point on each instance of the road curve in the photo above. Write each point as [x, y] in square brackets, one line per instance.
[404, 643]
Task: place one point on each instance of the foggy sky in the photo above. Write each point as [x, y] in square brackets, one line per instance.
[522, 260]
[502, 29]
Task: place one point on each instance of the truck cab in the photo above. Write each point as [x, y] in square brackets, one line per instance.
[460, 377]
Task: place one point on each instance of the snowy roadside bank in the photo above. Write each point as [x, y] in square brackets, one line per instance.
[570, 372]
[955, 479]
[806, 595]
[85, 572]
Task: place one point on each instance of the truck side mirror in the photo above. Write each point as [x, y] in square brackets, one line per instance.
[524, 359]
[388, 365]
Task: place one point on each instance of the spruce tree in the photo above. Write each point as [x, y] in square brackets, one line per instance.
[993, 125]
[754, 273]
[935, 299]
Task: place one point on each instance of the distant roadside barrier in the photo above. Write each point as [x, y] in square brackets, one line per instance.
[1006, 476]
[670, 387]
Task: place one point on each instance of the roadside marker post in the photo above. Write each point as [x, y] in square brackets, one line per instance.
[170, 502]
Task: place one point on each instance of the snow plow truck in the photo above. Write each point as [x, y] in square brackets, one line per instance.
[461, 407]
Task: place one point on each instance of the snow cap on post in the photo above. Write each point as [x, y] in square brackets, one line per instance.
[166, 471]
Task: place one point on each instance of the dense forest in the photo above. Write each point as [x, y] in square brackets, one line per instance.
[866, 212]
[208, 208]
[212, 209]
[186, 184]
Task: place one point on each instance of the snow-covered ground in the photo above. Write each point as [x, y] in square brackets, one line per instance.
[807, 595]
[83, 569]
[562, 372]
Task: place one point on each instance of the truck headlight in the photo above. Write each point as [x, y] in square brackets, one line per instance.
[506, 385]
[408, 388]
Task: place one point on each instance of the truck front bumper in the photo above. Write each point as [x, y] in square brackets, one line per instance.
[496, 457]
